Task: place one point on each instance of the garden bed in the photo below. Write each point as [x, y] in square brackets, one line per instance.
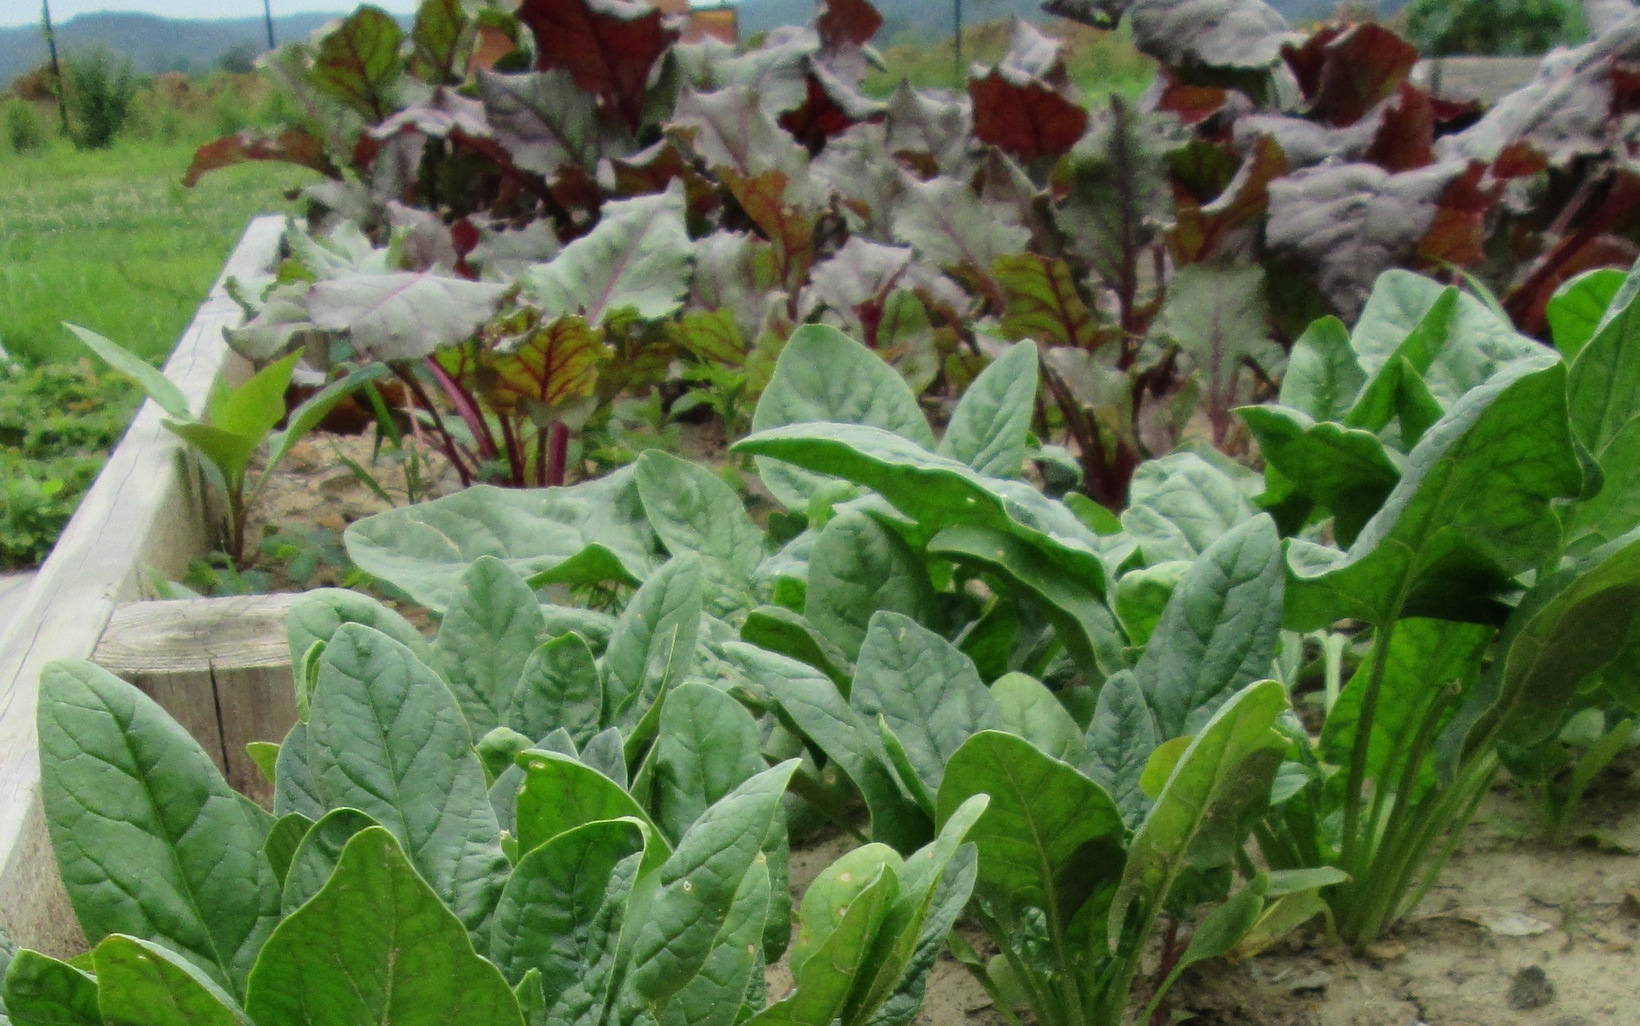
[146, 510]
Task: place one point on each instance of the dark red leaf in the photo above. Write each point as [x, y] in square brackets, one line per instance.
[1025, 118]
[1192, 103]
[830, 108]
[847, 23]
[1406, 132]
[290, 147]
[1360, 68]
[655, 168]
[1306, 59]
[1457, 235]
[1519, 160]
[610, 46]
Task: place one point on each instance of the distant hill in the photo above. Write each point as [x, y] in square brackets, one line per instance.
[931, 19]
[155, 44]
[151, 43]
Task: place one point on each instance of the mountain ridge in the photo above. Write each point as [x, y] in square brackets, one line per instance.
[153, 43]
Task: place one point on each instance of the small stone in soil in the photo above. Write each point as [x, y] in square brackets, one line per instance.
[1530, 989]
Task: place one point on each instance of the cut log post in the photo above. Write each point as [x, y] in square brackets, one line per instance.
[219, 666]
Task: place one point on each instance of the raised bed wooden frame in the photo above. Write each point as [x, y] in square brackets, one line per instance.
[147, 509]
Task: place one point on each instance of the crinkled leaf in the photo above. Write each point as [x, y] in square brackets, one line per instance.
[1219, 787]
[1180, 504]
[149, 838]
[822, 375]
[1349, 222]
[1118, 191]
[592, 532]
[1472, 509]
[1227, 34]
[1347, 470]
[358, 62]
[858, 567]
[989, 428]
[542, 119]
[490, 628]
[924, 689]
[1043, 303]
[375, 945]
[387, 738]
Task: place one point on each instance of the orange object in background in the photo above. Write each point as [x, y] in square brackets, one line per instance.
[714, 22]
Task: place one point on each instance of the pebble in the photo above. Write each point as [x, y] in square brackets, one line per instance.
[1530, 989]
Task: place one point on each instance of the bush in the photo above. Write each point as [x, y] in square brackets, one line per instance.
[100, 95]
[23, 128]
[1500, 27]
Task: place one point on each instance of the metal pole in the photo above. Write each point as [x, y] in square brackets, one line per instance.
[267, 13]
[56, 68]
[958, 71]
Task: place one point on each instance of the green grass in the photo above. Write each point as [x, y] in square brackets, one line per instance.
[1100, 63]
[112, 240]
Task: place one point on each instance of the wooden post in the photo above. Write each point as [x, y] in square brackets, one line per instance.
[219, 666]
[56, 69]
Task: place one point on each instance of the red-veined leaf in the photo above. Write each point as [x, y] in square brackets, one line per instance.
[1043, 304]
[549, 366]
[637, 259]
[292, 146]
[358, 62]
[542, 120]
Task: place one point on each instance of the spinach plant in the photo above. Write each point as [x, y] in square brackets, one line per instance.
[238, 423]
[1483, 534]
[385, 887]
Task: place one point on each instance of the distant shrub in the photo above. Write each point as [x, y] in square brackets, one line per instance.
[24, 130]
[240, 58]
[100, 94]
[1501, 27]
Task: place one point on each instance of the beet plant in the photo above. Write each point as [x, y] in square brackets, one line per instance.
[1163, 253]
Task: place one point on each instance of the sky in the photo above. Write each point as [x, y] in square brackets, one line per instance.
[27, 12]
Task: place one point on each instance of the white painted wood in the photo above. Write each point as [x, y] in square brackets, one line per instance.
[143, 510]
[13, 589]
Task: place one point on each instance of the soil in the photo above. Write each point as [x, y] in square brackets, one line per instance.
[1518, 933]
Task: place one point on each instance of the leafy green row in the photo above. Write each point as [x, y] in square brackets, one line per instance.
[1444, 537]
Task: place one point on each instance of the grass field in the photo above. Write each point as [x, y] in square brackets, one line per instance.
[112, 240]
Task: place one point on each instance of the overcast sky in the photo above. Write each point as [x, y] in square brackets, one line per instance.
[27, 12]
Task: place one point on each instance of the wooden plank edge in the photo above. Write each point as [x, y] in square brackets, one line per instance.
[145, 508]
